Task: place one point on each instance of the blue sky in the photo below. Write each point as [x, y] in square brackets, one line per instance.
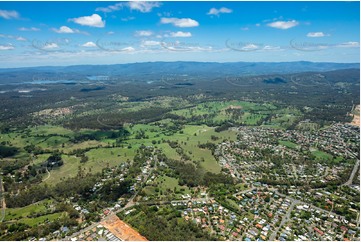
[68, 33]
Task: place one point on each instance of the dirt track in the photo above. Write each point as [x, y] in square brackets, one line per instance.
[356, 116]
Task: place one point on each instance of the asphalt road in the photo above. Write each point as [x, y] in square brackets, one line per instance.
[354, 170]
[2, 200]
[285, 219]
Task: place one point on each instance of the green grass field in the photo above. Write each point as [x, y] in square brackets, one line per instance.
[252, 112]
[20, 215]
[114, 156]
[288, 144]
[203, 135]
[68, 169]
[41, 219]
[187, 140]
[169, 151]
[40, 159]
[86, 144]
[321, 155]
[148, 190]
[98, 159]
[50, 130]
[17, 213]
[54, 142]
[166, 183]
[233, 204]
[252, 119]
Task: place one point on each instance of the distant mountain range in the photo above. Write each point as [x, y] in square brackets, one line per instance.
[153, 69]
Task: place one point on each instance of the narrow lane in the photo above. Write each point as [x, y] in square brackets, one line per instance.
[2, 200]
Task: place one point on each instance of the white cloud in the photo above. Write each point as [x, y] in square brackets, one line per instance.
[143, 33]
[89, 44]
[250, 47]
[7, 47]
[180, 34]
[180, 22]
[110, 8]
[129, 49]
[283, 24]
[150, 43]
[49, 46]
[20, 38]
[164, 14]
[9, 14]
[93, 21]
[269, 47]
[316, 34]
[67, 30]
[144, 7]
[214, 11]
[349, 44]
[29, 29]
[244, 28]
[174, 47]
[64, 30]
[6, 36]
[257, 25]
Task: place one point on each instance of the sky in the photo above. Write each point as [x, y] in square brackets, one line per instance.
[73, 33]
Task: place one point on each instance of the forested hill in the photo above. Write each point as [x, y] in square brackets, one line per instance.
[185, 68]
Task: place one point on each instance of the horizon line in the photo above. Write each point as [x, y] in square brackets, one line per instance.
[215, 62]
